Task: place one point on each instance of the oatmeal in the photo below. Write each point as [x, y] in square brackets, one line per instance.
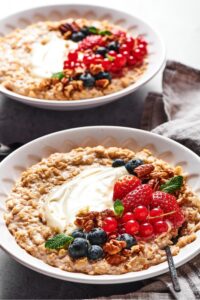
[101, 210]
[71, 59]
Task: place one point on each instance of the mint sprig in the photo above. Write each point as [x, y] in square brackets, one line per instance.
[172, 185]
[118, 207]
[59, 241]
[58, 75]
[95, 30]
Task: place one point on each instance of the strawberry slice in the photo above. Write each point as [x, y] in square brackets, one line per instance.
[142, 195]
[125, 185]
[168, 203]
[90, 41]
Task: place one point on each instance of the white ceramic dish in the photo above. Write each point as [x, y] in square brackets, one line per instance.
[65, 140]
[55, 12]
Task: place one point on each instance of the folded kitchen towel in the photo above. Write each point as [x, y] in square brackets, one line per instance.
[175, 114]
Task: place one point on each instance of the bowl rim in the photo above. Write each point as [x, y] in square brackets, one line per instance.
[118, 94]
[80, 277]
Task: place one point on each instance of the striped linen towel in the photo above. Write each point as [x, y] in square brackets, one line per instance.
[175, 114]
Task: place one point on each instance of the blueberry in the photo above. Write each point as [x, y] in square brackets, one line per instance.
[129, 239]
[78, 233]
[102, 51]
[85, 30]
[118, 163]
[95, 252]
[97, 236]
[77, 36]
[78, 248]
[103, 75]
[132, 164]
[113, 46]
[88, 80]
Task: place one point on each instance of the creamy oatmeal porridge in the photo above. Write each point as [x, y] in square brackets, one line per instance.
[102, 210]
[71, 59]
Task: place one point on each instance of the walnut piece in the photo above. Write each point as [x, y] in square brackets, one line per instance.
[115, 259]
[95, 69]
[102, 83]
[114, 246]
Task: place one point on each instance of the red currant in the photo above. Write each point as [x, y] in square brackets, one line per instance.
[160, 227]
[120, 60]
[141, 213]
[143, 48]
[132, 227]
[109, 224]
[126, 54]
[127, 217]
[98, 59]
[130, 42]
[73, 56]
[146, 230]
[131, 61]
[106, 64]
[124, 47]
[88, 60]
[155, 214]
[112, 53]
[141, 41]
[138, 54]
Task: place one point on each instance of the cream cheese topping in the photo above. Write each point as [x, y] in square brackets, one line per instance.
[91, 190]
[48, 59]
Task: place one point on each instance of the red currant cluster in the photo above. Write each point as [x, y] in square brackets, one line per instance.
[113, 56]
[141, 223]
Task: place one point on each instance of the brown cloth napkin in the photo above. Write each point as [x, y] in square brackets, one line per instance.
[175, 114]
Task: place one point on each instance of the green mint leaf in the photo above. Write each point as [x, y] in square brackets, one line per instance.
[109, 57]
[59, 241]
[172, 184]
[58, 75]
[93, 30]
[105, 32]
[118, 207]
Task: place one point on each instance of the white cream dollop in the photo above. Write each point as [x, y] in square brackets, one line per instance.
[91, 190]
[48, 59]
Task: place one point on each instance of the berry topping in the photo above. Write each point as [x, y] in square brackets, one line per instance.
[124, 185]
[129, 239]
[131, 61]
[140, 213]
[146, 230]
[141, 195]
[132, 227]
[127, 217]
[103, 75]
[97, 236]
[160, 227]
[113, 46]
[102, 51]
[77, 36]
[73, 56]
[120, 60]
[88, 79]
[168, 204]
[78, 248]
[90, 41]
[109, 224]
[78, 233]
[118, 163]
[95, 252]
[132, 164]
[156, 215]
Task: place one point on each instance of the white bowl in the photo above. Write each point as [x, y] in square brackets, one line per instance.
[34, 151]
[55, 12]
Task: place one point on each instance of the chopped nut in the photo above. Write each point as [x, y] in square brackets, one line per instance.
[144, 170]
[155, 184]
[87, 220]
[77, 85]
[114, 246]
[116, 259]
[95, 69]
[102, 83]
[65, 28]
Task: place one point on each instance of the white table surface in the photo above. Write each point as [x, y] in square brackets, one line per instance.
[179, 23]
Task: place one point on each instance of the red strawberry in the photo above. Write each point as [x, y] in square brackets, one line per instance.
[124, 185]
[142, 195]
[90, 41]
[168, 203]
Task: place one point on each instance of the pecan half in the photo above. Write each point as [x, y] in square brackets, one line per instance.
[65, 28]
[114, 246]
[144, 170]
[95, 69]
